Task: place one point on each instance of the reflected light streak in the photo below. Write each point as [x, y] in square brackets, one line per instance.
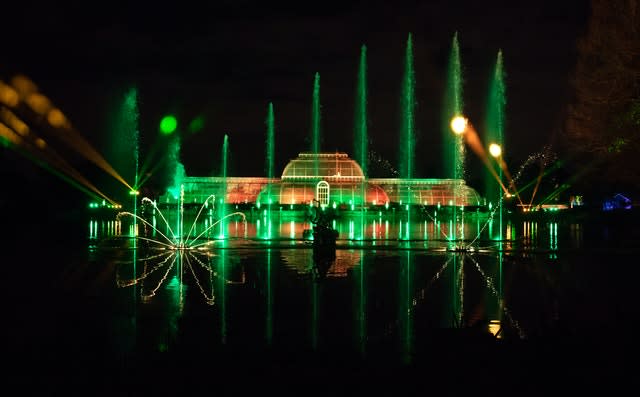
[210, 300]
[147, 297]
[169, 259]
[495, 328]
[489, 282]
[121, 283]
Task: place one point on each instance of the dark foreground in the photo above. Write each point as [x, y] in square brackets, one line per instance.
[57, 343]
[458, 365]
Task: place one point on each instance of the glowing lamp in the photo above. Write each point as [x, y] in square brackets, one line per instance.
[458, 124]
[168, 124]
[495, 150]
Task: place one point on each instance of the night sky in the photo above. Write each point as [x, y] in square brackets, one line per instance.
[226, 60]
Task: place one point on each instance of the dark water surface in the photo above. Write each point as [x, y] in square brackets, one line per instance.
[551, 311]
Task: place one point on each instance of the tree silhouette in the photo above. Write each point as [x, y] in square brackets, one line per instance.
[602, 128]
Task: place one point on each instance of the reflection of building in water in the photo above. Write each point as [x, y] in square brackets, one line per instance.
[339, 179]
[302, 261]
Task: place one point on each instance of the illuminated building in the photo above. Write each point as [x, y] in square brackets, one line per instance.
[331, 178]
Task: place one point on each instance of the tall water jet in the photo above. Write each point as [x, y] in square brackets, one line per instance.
[223, 189]
[361, 146]
[270, 159]
[453, 143]
[408, 106]
[407, 131]
[315, 121]
[124, 144]
[494, 133]
[124, 152]
[178, 175]
[174, 167]
[453, 167]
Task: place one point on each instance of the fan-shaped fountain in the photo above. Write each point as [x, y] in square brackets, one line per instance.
[177, 239]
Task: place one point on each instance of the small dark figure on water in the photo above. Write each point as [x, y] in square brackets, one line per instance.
[323, 234]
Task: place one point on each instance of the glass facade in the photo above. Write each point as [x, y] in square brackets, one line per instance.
[331, 178]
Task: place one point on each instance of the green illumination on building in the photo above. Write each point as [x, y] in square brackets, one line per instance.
[168, 124]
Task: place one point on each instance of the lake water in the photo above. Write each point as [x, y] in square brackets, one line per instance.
[89, 309]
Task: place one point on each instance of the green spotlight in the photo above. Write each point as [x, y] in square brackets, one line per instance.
[196, 125]
[168, 124]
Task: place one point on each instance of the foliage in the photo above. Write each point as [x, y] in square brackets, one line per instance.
[602, 128]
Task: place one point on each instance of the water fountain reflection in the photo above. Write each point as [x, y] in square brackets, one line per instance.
[170, 267]
[403, 297]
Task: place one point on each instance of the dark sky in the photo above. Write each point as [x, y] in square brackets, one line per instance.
[226, 60]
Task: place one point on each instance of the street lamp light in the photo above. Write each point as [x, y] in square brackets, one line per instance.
[495, 150]
[459, 124]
